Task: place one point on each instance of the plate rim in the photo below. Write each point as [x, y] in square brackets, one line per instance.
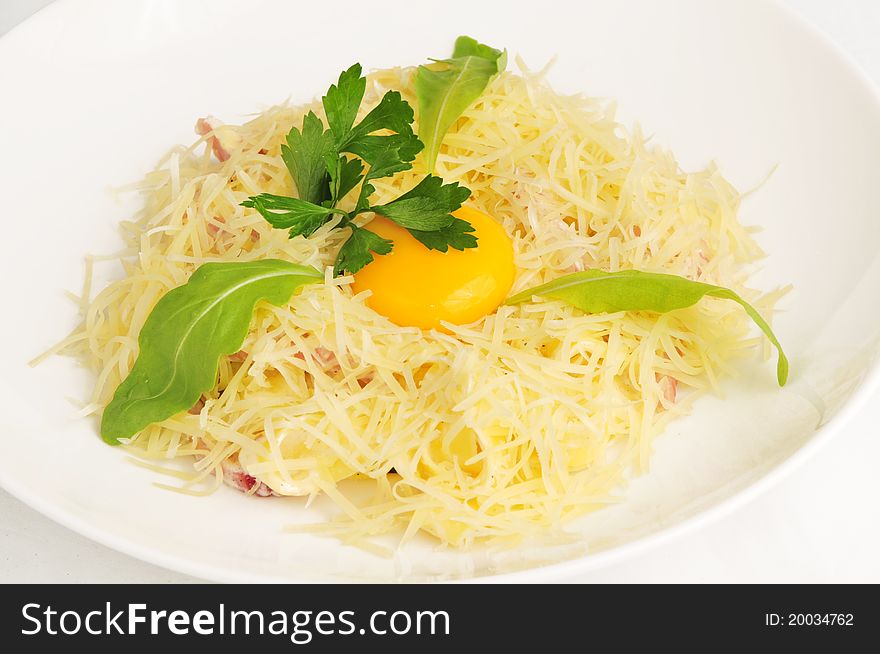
[580, 564]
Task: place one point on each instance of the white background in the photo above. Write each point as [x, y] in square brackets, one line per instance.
[820, 524]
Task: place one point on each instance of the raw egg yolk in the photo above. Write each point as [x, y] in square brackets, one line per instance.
[413, 285]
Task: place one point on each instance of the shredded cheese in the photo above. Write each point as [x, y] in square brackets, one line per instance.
[517, 423]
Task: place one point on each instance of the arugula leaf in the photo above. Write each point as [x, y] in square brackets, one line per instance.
[597, 291]
[427, 206]
[357, 251]
[342, 102]
[187, 332]
[466, 46]
[449, 86]
[304, 157]
[456, 234]
[299, 216]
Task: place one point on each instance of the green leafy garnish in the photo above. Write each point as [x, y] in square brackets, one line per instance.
[324, 173]
[299, 216]
[458, 235]
[424, 207]
[449, 86]
[304, 155]
[345, 174]
[597, 291]
[358, 250]
[342, 102]
[187, 332]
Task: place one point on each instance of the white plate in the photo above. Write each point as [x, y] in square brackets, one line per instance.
[95, 92]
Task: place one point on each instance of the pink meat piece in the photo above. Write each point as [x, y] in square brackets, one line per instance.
[196, 408]
[330, 364]
[213, 229]
[207, 125]
[670, 387]
[234, 475]
[703, 258]
[239, 356]
[327, 360]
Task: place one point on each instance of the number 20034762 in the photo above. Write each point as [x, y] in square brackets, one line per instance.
[808, 619]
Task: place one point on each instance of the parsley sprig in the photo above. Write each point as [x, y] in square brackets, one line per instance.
[327, 164]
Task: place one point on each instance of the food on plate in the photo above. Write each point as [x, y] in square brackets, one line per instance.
[456, 286]
[477, 297]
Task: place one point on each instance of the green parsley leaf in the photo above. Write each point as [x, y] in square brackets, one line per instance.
[371, 148]
[342, 102]
[423, 213]
[358, 250]
[385, 160]
[345, 174]
[456, 235]
[324, 175]
[299, 216]
[392, 113]
[427, 206]
[304, 157]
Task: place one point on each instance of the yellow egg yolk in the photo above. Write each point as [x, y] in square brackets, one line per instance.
[413, 285]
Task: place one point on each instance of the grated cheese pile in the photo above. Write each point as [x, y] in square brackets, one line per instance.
[500, 429]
